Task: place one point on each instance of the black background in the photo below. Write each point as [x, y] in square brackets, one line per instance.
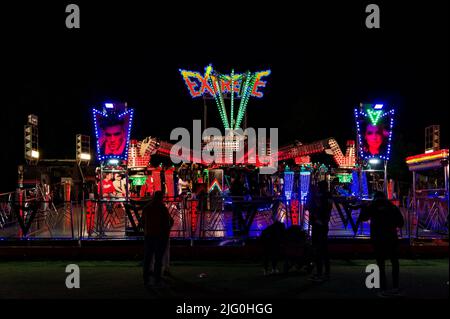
[324, 62]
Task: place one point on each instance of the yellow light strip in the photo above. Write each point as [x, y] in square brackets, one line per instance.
[442, 155]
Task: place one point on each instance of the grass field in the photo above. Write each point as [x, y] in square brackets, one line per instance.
[123, 279]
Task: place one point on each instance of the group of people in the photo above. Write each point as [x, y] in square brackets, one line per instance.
[385, 220]
[112, 188]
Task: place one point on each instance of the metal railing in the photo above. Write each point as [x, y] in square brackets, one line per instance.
[208, 217]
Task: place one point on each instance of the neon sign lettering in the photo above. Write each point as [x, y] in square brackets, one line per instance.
[199, 84]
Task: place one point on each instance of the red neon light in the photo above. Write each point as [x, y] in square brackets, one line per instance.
[156, 174]
[191, 86]
[259, 83]
[215, 183]
[204, 84]
[226, 86]
[194, 205]
[170, 188]
[90, 216]
[294, 211]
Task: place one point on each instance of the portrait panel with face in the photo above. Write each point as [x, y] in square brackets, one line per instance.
[375, 139]
[374, 133]
[112, 135]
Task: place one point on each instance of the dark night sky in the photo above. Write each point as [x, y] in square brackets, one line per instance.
[323, 61]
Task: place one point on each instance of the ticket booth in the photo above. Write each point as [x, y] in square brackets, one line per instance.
[430, 200]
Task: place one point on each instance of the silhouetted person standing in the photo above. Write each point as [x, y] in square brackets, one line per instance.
[157, 224]
[319, 205]
[385, 218]
[237, 190]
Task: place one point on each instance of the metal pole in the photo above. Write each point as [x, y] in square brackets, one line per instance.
[127, 197]
[127, 185]
[245, 119]
[81, 225]
[446, 173]
[232, 100]
[414, 205]
[100, 214]
[360, 180]
[446, 178]
[82, 212]
[385, 179]
[205, 113]
[71, 219]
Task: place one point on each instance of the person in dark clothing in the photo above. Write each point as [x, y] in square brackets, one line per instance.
[272, 241]
[385, 218]
[237, 191]
[297, 250]
[319, 205]
[157, 224]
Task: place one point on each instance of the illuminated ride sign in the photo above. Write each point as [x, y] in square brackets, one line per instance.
[112, 131]
[374, 127]
[216, 85]
[198, 83]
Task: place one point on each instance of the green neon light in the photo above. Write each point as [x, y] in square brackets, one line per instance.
[219, 102]
[243, 103]
[245, 84]
[208, 71]
[232, 100]
[344, 178]
[224, 110]
[138, 180]
[249, 82]
[374, 116]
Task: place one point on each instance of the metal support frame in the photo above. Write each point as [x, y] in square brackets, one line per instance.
[414, 206]
[385, 179]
